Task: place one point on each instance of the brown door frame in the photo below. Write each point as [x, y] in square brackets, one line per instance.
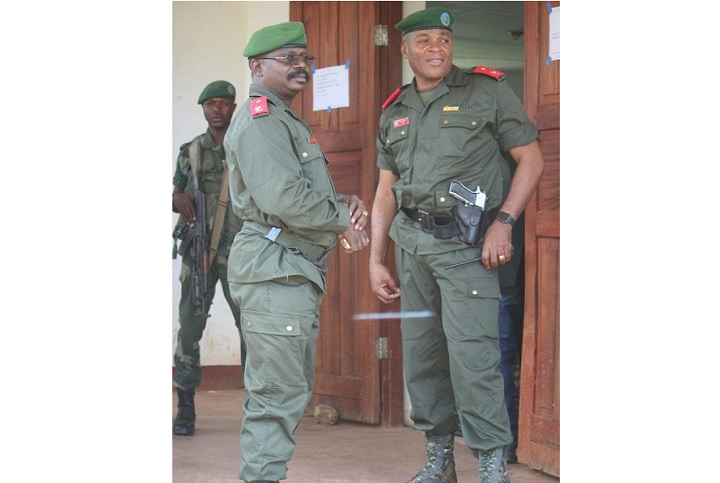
[539, 420]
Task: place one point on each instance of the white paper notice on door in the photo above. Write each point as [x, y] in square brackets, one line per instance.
[554, 37]
[331, 88]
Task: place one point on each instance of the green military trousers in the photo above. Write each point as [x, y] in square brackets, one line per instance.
[451, 355]
[280, 323]
[192, 323]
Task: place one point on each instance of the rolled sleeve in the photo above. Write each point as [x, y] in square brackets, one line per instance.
[514, 126]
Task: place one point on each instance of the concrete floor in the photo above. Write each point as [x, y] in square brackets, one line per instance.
[343, 453]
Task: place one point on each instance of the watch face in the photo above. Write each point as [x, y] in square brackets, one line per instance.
[505, 217]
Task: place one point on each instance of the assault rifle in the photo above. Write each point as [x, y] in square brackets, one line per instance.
[198, 234]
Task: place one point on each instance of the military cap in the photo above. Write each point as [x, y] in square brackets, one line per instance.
[274, 37]
[431, 18]
[218, 88]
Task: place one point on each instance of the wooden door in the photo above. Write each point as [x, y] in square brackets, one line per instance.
[539, 422]
[350, 376]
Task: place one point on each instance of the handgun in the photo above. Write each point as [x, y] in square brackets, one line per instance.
[463, 193]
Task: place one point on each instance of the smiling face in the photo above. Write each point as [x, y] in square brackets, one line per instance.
[285, 79]
[429, 53]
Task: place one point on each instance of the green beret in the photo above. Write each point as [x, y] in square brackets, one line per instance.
[274, 37]
[218, 88]
[431, 18]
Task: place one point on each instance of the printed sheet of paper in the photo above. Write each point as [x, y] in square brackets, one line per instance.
[331, 88]
[554, 39]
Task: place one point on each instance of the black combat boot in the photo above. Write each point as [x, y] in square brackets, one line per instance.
[440, 464]
[184, 424]
[492, 466]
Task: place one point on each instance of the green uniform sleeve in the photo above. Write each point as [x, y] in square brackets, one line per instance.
[386, 158]
[514, 128]
[182, 169]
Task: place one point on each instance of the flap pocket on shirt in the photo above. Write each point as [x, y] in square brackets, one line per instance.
[308, 151]
[271, 324]
[468, 120]
[396, 134]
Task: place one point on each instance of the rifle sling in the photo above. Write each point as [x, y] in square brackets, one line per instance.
[219, 215]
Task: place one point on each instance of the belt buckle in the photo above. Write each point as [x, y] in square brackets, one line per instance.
[426, 220]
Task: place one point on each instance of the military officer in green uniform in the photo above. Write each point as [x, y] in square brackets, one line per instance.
[450, 125]
[218, 104]
[281, 187]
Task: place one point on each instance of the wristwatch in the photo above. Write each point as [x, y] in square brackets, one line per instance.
[503, 217]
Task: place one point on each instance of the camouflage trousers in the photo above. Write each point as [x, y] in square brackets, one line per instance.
[193, 322]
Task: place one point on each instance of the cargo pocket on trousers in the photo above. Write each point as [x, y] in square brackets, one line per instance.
[483, 288]
[274, 343]
[483, 295]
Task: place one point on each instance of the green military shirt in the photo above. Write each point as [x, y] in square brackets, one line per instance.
[213, 159]
[279, 178]
[463, 133]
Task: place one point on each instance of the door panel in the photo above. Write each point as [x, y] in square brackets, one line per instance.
[539, 423]
[348, 375]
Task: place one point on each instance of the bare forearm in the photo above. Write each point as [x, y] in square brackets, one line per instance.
[530, 166]
[383, 214]
[384, 210]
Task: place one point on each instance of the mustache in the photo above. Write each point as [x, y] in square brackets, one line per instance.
[297, 73]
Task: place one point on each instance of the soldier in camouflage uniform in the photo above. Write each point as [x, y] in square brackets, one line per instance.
[218, 104]
[450, 125]
[280, 185]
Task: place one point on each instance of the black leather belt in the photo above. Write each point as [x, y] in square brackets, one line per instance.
[442, 227]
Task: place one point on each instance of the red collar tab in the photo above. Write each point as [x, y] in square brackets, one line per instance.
[494, 73]
[259, 107]
[392, 98]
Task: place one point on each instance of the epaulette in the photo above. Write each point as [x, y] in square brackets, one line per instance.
[393, 96]
[488, 71]
[259, 107]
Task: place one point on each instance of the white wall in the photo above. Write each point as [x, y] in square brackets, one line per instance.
[208, 39]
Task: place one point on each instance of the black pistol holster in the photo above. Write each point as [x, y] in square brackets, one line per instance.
[472, 222]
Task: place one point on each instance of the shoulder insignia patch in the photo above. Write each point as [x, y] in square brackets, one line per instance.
[259, 107]
[392, 97]
[494, 73]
